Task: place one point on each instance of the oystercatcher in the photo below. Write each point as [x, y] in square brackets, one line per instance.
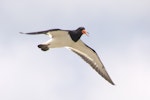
[71, 40]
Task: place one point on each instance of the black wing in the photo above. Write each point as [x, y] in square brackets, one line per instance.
[40, 32]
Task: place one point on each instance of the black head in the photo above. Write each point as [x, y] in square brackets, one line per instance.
[76, 34]
[82, 30]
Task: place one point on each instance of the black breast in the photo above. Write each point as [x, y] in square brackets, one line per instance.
[75, 36]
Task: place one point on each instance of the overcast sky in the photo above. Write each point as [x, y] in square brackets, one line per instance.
[119, 33]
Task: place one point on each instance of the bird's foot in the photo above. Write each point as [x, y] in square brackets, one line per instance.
[43, 47]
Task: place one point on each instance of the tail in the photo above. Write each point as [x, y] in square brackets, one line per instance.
[43, 47]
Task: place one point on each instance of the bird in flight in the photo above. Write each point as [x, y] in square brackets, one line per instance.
[70, 39]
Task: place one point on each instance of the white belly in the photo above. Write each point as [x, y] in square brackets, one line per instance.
[59, 39]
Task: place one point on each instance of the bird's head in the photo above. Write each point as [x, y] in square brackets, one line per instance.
[82, 31]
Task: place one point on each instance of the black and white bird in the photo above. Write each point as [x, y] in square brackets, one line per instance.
[71, 40]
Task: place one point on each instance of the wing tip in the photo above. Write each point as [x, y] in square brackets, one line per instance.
[111, 82]
[32, 33]
[108, 79]
[21, 33]
[24, 33]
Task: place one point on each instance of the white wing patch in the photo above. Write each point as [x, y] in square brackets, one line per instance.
[49, 34]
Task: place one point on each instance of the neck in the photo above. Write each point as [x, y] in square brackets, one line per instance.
[75, 36]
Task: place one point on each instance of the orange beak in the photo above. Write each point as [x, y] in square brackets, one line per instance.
[85, 32]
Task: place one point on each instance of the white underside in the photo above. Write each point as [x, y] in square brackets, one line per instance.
[59, 39]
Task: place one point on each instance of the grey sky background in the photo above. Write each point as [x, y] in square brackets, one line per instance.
[119, 33]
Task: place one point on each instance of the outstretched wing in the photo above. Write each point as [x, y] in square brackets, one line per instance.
[41, 32]
[91, 57]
